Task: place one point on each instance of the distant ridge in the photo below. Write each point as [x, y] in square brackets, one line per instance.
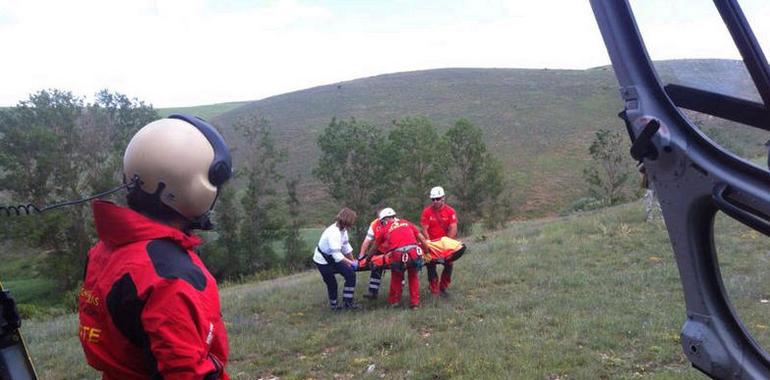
[539, 122]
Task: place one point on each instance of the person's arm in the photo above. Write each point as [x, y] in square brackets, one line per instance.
[172, 327]
[452, 230]
[334, 243]
[347, 248]
[364, 248]
[351, 263]
[422, 239]
[452, 233]
[366, 243]
[425, 220]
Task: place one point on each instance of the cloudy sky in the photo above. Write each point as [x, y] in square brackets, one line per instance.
[192, 52]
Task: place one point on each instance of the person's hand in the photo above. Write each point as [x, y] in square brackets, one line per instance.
[354, 264]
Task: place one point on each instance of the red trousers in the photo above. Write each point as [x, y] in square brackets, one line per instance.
[396, 276]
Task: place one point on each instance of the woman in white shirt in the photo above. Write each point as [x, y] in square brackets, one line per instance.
[333, 255]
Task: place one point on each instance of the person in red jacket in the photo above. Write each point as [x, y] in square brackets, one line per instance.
[148, 306]
[439, 220]
[401, 238]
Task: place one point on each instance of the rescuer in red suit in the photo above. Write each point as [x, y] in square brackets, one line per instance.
[148, 307]
[439, 220]
[401, 237]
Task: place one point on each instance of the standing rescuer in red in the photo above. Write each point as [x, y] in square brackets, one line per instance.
[439, 220]
[148, 307]
[401, 238]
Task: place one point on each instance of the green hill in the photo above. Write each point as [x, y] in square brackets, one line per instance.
[538, 122]
[205, 111]
[590, 296]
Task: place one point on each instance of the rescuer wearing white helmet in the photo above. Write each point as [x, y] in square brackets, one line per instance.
[148, 306]
[437, 192]
[387, 212]
[439, 220]
[402, 239]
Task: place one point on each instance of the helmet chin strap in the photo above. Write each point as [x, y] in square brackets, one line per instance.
[202, 222]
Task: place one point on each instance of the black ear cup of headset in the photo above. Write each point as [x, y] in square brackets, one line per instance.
[221, 168]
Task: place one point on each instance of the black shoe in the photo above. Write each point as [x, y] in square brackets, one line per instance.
[370, 296]
[335, 308]
[414, 307]
[444, 293]
[351, 306]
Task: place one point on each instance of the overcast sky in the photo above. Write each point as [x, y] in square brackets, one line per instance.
[193, 52]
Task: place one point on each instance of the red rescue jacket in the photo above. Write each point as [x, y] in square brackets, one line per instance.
[148, 307]
[397, 233]
[376, 226]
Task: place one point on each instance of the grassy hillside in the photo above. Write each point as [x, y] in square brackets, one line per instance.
[538, 122]
[205, 111]
[585, 297]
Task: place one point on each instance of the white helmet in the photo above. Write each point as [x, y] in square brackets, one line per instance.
[386, 212]
[436, 192]
[182, 160]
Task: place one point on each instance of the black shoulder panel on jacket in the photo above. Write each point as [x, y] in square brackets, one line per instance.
[172, 261]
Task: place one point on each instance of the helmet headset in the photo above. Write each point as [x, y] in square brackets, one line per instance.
[176, 167]
[221, 168]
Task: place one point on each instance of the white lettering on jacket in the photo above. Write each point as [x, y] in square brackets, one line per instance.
[210, 337]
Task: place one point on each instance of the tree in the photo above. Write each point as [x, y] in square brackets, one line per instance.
[475, 178]
[610, 171]
[418, 157]
[352, 166]
[498, 207]
[225, 256]
[55, 146]
[263, 223]
[297, 254]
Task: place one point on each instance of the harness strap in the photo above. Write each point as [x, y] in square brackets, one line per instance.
[329, 258]
[406, 248]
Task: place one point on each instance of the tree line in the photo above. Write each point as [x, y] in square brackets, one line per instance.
[365, 169]
[362, 168]
[57, 146]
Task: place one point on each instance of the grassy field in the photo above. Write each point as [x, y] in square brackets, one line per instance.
[581, 297]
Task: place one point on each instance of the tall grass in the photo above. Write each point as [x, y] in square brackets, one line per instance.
[591, 296]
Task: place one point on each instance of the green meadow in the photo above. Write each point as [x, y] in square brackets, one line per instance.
[588, 296]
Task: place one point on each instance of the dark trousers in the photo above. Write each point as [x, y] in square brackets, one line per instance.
[433, 281]
[374, 280]
[327, 273]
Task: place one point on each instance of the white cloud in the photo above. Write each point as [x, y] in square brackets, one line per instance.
[187, 52]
